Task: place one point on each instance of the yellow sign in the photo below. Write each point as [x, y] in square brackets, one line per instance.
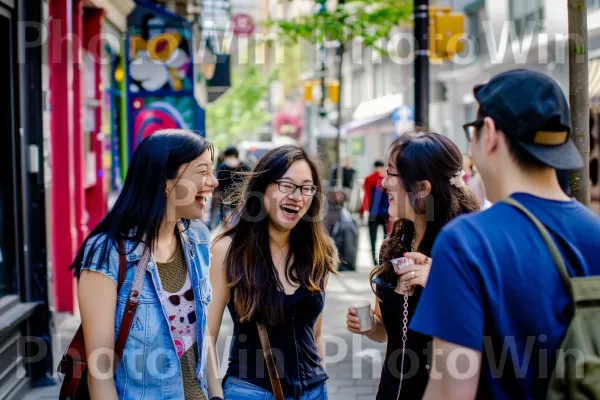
[446, 31]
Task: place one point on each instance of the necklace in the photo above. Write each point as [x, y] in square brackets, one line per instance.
[404, 330]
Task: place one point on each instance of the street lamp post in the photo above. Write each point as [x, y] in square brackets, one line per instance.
[421, 66]
[322, 64]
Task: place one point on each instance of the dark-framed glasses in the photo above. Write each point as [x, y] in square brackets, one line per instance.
[290, 188]
[471, 128]
[388, 173]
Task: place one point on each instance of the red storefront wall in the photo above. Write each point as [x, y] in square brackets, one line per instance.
[95, 194]
[75, 208]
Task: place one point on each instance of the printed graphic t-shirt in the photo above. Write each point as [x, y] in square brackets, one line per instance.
[178, 302]
[494, 288]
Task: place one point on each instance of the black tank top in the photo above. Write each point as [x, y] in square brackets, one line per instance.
[293, 341]
[416, 358]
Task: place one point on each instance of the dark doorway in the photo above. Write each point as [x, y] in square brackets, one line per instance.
[8, 104]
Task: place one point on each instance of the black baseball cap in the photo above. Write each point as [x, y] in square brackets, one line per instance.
[531, 108]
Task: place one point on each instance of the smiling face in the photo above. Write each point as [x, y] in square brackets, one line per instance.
[284, 210]
[189, 191]
[400, 205]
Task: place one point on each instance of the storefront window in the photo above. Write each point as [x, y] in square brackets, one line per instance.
[112, 79]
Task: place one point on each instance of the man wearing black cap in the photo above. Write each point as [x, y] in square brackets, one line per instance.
[495, 302]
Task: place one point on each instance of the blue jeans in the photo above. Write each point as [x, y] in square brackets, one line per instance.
[238, 389]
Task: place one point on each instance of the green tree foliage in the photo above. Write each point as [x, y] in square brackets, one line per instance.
[371, 21]
[237, 113]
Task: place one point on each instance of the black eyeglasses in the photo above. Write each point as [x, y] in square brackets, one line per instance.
[387, 172]
[290, 188]
[471, 128]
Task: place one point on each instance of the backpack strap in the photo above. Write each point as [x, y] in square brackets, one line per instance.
[559, 262]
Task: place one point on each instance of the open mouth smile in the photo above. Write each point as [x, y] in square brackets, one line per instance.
[202, 198]
[290, 210]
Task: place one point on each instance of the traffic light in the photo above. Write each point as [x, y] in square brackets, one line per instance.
[332, 90]
[446, 31]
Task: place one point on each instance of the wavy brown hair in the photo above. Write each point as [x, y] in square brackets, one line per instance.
[256, 289]
[418, 157]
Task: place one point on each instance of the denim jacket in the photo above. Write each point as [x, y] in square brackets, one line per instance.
[150, 368]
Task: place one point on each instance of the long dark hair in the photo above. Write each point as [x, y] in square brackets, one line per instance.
[425, 156]
[140, 208]
[257, 291]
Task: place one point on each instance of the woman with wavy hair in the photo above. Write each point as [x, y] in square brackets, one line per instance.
[271, 269]
[426, 191]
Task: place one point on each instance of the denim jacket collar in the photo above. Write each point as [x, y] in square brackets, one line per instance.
[135, 254]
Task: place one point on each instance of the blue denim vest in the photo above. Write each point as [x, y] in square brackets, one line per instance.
[150, 368]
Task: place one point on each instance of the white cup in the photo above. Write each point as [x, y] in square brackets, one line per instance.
[400, 263]
[363, 312]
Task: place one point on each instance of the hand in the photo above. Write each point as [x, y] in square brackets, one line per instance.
[352, 322]
[415, 274]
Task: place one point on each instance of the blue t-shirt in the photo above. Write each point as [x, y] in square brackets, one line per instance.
[493, 287]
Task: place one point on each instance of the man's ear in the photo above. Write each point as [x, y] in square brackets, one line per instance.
[490, 135]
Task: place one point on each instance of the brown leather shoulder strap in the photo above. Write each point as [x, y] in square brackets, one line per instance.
[131, 306]
[270, 360]
[122, 265]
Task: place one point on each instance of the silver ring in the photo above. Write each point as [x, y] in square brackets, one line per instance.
[413, 274]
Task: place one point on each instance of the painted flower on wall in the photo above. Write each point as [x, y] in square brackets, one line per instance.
[158, 62]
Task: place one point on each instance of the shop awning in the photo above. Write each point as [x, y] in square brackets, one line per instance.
[379, 107]
[358, 123]
[594, 82]
[373, 111]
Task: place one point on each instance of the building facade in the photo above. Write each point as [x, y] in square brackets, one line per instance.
[83, 98]
[25, 278]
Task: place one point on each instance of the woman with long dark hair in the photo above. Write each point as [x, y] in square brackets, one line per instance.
[168, 183]
[426, 191]
[271, 268]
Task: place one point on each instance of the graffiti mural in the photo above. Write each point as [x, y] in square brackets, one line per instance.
[161, 113]
[160, 73]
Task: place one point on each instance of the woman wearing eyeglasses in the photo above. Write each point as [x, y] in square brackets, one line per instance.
[271, 268]
[424, 182]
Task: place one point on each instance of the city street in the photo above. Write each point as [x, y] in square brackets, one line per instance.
[354, 362]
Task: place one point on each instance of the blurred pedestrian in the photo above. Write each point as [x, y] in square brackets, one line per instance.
[376, 203]
[168, 181]
[495, 291]
[270, 270]
[230, 177]
[343, 229]
[348, 176]
[426, 191]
